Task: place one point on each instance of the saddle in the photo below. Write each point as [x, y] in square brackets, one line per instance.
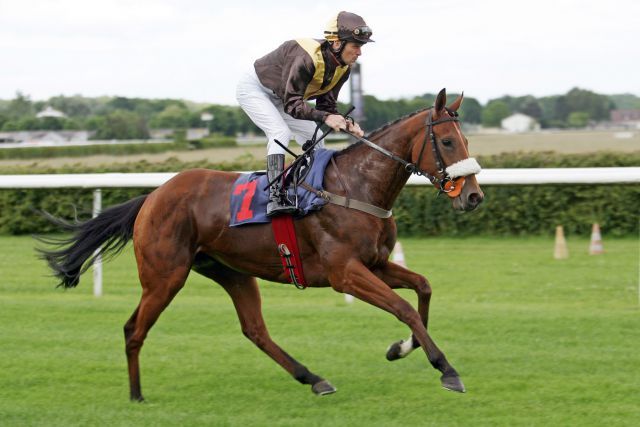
[249, 194]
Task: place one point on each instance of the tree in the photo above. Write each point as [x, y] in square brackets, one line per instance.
[20, 106]
[471, 111]
[121, 103]
[28, 123]
[50, 123]
[74, 106]
[597, 106]
[95, 123]
[548, 106]
[578, 119]
[173, 116]
[625, 101]
[122, 125]
[531, 108]
[494, 112]
[228, 120]
[10, 126]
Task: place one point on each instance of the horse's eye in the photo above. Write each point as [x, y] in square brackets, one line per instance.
[446, 142]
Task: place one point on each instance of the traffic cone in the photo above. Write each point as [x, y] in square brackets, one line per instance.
[595, 247]
[560, 251]
[398, 255]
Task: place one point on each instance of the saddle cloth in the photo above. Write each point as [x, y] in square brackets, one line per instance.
[249, 198]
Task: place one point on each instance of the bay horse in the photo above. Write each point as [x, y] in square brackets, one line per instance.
[183, 225]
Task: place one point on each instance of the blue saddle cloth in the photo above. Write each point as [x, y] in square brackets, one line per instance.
[249, 198]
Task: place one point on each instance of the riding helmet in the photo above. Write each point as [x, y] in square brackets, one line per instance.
[347, 26]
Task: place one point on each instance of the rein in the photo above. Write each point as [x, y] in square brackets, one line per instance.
[346, 201]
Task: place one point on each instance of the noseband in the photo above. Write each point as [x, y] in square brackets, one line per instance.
[447, 183]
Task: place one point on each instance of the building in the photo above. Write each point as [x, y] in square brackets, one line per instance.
[45, 137]
[50, 112]
[627, 118]
[519, 122]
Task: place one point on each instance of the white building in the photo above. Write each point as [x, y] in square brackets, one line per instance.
[519, 122]
[50, 112]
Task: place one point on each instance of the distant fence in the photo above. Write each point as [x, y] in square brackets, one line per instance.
[537, 176]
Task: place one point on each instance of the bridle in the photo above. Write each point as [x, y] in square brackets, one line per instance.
[446, 183]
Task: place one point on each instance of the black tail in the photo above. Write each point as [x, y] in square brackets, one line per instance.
[109, 231]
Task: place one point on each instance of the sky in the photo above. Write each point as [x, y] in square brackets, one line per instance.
[196, 49]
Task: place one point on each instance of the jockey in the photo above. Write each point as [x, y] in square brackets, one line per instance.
[275, 91]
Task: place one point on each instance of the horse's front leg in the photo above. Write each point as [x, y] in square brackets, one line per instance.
[397, 276]
[360, 282]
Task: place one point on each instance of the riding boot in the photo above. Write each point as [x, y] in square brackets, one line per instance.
[278, 203]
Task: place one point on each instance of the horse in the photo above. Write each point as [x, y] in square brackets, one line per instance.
[183, 225]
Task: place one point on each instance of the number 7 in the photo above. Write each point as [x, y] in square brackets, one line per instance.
[250, 189]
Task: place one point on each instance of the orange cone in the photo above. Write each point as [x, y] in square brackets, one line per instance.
[595, 247]
[560, 251]
[398, 255]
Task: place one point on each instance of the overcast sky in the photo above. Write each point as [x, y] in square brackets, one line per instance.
[195, 49]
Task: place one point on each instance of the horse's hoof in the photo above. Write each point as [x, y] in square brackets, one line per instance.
[400, 349]
[453, 383]
[394, 352]
[323, 387]
[137, 399]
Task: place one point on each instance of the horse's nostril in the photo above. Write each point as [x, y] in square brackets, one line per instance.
[474, 199]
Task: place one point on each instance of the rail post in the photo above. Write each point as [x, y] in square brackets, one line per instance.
[97, 265]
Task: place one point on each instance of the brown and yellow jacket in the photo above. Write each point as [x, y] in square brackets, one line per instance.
[300, 70]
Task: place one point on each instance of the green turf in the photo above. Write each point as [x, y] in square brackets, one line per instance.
[536, 341]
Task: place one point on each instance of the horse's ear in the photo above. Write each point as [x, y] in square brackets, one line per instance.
[441, 100]
[456, 104]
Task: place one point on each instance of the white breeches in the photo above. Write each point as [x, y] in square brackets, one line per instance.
[266, 110]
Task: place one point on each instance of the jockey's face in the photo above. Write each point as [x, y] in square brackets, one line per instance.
[351, 52]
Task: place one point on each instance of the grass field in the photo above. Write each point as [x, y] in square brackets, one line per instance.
[536, 341]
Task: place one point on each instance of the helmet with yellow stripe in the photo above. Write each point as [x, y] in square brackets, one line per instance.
[347, 26]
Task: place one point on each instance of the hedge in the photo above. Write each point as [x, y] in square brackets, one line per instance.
[114, 149]
[507, 210]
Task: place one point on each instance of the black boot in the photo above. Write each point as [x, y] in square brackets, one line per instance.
[278, 203]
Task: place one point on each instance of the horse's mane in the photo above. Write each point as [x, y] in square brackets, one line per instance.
[391, 123]
[383, 128]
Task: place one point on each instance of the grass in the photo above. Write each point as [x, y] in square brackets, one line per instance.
[536, 341]
[560, 141]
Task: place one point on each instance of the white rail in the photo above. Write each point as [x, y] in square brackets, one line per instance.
[538, 176]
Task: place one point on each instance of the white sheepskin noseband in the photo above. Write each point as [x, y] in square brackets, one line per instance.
[464, 168]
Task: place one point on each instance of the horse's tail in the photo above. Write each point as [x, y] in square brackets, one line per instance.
[106, 235]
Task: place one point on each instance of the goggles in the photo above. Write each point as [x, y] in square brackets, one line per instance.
[362, 33]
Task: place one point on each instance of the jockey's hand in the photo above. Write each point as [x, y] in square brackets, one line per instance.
[336, 122]
[354, 128]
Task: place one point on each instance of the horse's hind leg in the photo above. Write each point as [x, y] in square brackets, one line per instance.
[161, 277]
[245, 294]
